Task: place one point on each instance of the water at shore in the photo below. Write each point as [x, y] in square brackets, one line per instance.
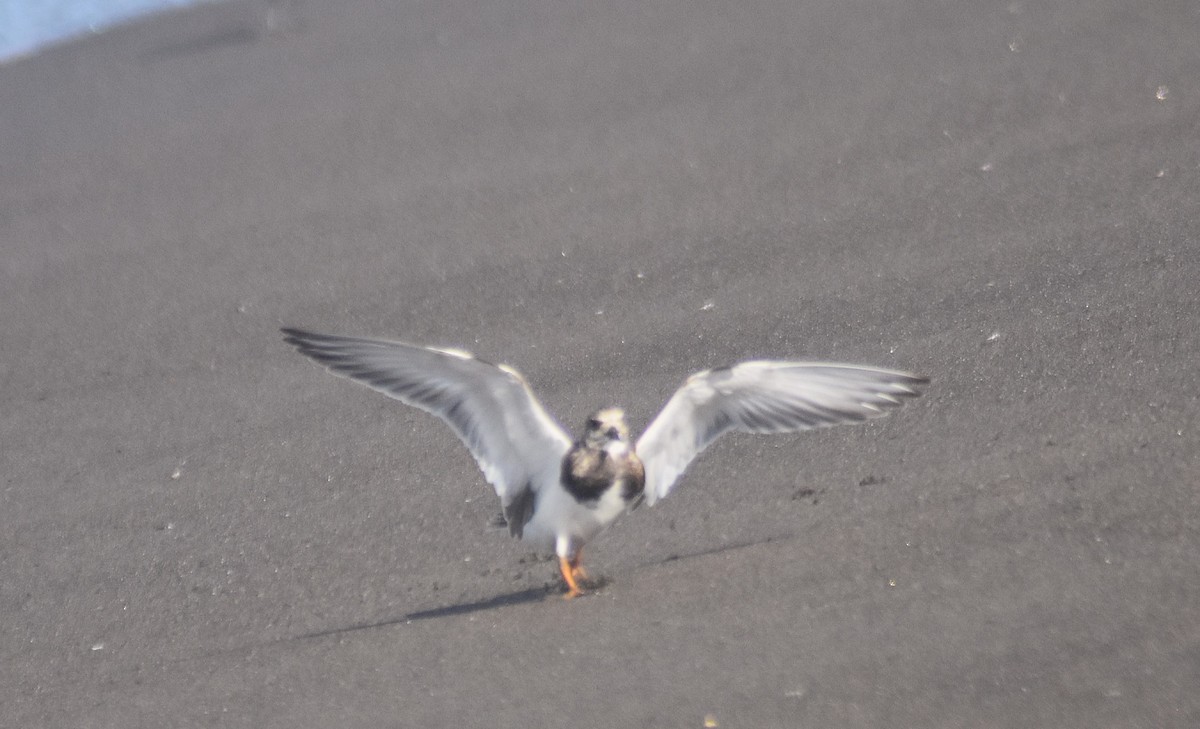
[27, 26]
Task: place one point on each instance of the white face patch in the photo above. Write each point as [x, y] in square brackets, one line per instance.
[604, 425]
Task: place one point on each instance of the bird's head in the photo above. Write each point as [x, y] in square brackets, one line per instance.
[606, 426]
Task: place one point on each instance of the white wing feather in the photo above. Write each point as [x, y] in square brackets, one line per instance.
[490, 407]
[762, 397]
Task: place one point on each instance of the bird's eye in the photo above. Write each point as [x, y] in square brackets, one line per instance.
[593, 424]
[614, 433]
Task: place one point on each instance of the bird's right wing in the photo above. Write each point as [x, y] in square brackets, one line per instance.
[491, 408]
[762, 397]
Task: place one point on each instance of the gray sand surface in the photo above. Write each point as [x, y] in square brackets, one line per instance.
[200, 528]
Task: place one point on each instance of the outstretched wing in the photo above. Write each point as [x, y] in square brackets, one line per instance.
[762, 397]
[490, 407]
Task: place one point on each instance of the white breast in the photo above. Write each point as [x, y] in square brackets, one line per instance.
[559, 515]
[610, 505]
[616, 449]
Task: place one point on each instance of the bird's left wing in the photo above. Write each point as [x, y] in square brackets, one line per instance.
[762, 397]
[490, 407]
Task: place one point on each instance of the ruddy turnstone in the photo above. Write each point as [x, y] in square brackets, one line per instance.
[560, 493]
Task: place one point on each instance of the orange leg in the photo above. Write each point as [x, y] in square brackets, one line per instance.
[577, 570]
[568, 573]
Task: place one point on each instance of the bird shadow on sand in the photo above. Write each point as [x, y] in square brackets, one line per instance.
[534, 594]
[521, 597]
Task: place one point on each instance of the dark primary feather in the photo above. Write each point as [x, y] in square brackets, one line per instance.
[490, 408]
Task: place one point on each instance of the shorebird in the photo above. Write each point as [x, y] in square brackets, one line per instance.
[559, 493]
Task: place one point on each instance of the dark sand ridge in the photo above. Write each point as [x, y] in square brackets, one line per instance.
[202, 529]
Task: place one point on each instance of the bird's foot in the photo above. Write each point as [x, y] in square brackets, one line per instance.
[568, 573]
[576, 563]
